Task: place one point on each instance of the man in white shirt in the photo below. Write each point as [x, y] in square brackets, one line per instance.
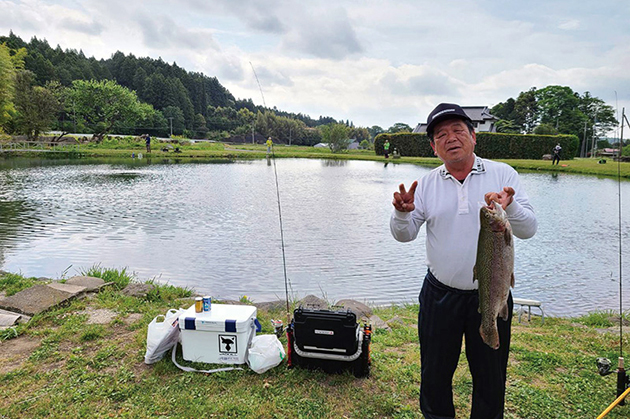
[447, 200]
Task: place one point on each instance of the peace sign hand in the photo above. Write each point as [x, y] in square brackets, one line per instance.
[403, 200]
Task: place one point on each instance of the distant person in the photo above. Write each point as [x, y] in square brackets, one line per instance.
[147, 141]
[386, 149]
[556, 154]
[269, 145]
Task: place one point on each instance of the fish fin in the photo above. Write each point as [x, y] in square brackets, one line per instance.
[504, 312]
[474, 273]
[512, 280]
[507, 234]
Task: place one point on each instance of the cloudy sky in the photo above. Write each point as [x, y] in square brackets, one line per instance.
[373, 62]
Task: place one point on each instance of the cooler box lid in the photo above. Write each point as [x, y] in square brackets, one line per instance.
[221, 318]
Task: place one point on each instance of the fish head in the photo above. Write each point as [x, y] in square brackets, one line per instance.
[493, 216]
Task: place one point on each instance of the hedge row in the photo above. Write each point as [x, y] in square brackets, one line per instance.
[490, 145]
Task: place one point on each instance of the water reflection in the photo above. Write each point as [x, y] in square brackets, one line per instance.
[215, 227]
[334, 163]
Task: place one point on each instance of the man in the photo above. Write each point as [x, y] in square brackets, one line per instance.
[556, 154]
[147, 141]
[269, 145]
[386, 149]
[447, 200]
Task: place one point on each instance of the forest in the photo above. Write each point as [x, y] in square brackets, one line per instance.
[52, 88]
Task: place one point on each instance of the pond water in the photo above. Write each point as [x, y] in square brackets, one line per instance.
[215, 228]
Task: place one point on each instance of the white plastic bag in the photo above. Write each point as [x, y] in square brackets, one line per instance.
[162, 336]
[265, 352]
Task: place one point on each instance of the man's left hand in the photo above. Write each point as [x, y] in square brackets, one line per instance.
[504, 197]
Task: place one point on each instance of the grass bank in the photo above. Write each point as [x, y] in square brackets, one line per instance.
[58, 365]
[125, 147]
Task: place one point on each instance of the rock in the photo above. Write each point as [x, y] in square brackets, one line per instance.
[277, 305]
[360, 309]
[378, 323]
[311, 301]
[8, 319]
[75, 289]
[90, 283]
[137, 290]
[132, 318]
[99, 316]
[547, 157]
[39, 298]
[396, 320]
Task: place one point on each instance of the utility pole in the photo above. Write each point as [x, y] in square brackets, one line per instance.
[583, 148]
[171, 118]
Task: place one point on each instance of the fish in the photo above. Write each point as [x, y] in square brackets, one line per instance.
[494, 269]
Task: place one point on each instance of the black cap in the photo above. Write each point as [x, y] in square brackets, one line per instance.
[444, 111]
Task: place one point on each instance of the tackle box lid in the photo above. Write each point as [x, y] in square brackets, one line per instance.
[220, 318]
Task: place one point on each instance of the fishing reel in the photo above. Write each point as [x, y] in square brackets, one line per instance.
[604, 368]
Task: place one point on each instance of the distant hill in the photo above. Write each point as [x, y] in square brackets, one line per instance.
[156, 82]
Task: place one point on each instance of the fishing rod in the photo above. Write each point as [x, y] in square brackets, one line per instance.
[284, 261]
[275, 171]
[603, 364]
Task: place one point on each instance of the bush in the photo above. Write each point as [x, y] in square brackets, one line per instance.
[490, 145]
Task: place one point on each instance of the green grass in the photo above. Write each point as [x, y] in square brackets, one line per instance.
[75, 369]
[11, 283]
[120, 277]
[124, 147]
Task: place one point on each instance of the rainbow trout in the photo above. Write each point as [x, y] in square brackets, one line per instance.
[494, 269]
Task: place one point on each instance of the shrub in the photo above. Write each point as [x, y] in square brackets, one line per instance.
[490, 145]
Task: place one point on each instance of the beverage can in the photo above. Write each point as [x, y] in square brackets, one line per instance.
[198, 305]
[207, 303]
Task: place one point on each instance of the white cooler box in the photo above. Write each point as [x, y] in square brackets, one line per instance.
[218, 336]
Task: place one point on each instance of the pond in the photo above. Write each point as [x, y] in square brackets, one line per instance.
[216, 228]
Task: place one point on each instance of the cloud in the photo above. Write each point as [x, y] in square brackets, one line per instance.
[162, 32]
[324, 34]
[569, 25]
[82, 26]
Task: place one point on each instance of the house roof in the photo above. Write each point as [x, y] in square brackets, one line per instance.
[475, 113]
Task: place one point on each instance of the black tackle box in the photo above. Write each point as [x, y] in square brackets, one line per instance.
[330, 340]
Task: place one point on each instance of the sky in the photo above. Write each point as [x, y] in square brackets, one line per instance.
[372, 62]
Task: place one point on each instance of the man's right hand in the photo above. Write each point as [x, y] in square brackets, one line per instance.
[403, 200]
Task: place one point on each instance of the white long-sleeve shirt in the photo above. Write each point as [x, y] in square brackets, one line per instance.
[450, 210]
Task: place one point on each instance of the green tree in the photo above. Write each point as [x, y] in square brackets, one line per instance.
[399, 127]
[526, 111]
[200, 127]
[7, 85]
[175, 116]
[507, 126]
[336, 135]
[37, 107]
[374, 130]
[545, 129]
[100, 105]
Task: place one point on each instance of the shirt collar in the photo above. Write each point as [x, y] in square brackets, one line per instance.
[477, 169]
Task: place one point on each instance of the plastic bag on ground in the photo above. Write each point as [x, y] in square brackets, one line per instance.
[162, 335]
[265, 352]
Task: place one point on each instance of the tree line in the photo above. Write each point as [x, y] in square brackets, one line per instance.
[558, 110]
[44, 88]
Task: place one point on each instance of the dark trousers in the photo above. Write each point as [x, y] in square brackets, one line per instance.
[556, 159]
[446, 314]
